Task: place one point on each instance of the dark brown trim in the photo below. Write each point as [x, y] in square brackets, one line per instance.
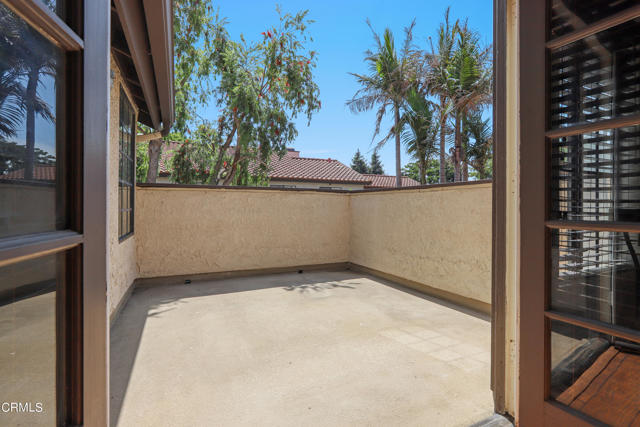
[615, 226]
[97, 24]
[36, 245]
[230, 187]
[159, 19]
[533, 201]
[47, 23]
[596, 27]
[121, 304]
[132, 18]
[469, 303]
[366, 190]
[202, 277]
[595, 325]
[559, 415]
[499, 203]
[614, 123]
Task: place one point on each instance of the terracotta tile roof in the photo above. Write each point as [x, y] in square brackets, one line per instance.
[168, 151]
[40, 173]
[310, 169]
[291, 167]
[389, 181]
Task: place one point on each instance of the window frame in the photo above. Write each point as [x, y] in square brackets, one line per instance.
[67, 35]
[130, 158]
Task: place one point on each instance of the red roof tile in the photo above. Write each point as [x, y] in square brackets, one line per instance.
[40, 173]
[291, 167]
[389, 181]
[309, 169]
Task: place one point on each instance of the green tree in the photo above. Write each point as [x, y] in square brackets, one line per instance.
[391, 76]
[142, 161]
[261, 88]
[358, 163]
[412, 170]
[26, 57]
[375, 164]
[439, 82]
[419, 137]
[478, 142]
[471, 84]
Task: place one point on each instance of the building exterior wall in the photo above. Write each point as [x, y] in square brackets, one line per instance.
[192, 231]
[439, 237]
[121, 255]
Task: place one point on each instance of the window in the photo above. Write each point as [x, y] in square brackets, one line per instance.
[126, 177]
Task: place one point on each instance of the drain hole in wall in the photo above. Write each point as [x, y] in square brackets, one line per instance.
[299, 271]
[186, 282]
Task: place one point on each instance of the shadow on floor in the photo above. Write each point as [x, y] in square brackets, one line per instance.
[154, 301]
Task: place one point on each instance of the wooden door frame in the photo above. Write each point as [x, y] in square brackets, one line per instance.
[533, 405]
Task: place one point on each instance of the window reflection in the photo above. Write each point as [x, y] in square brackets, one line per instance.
[28, 293]
[595, 374]
[596, 275]
[596, 78]
[31, 130]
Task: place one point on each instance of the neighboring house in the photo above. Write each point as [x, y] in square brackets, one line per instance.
[388, 181]
[293, 171]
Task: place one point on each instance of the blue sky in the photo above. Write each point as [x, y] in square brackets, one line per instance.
[340, 37]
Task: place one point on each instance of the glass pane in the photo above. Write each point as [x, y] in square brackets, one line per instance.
[596, 275]
[28, 340]
[596, 78]
[596, 176]
[571, 15]
[32, 141]
[595, 374]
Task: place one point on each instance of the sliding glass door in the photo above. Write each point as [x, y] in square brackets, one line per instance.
[580, 218]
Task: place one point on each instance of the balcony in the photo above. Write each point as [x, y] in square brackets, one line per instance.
[277, 307]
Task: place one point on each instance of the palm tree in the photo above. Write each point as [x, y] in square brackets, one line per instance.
[471, 77]
[422, 129]
[391, 76]
[27, 56]
[479, 151]
[439, 81]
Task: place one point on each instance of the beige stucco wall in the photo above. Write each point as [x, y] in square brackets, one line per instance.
[439, 237]
[122, 268]
[190, 231]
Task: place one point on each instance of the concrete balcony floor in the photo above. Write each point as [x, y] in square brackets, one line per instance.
[316, 348]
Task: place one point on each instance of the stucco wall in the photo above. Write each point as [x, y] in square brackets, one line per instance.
[191, 231]
[439, 237]
[122, 255]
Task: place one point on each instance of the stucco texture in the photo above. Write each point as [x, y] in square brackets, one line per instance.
[122, 255]
[191, 231]
[440, 237]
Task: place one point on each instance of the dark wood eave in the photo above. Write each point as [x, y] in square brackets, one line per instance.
[146, 57]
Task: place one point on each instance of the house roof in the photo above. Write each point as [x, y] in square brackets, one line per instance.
[291, 167]
[389, 181]
[40, 173]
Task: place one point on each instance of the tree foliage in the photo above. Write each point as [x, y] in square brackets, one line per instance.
[421, 129]
[375, 165]
[391, 76]
[358, 163]
[260, 88]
